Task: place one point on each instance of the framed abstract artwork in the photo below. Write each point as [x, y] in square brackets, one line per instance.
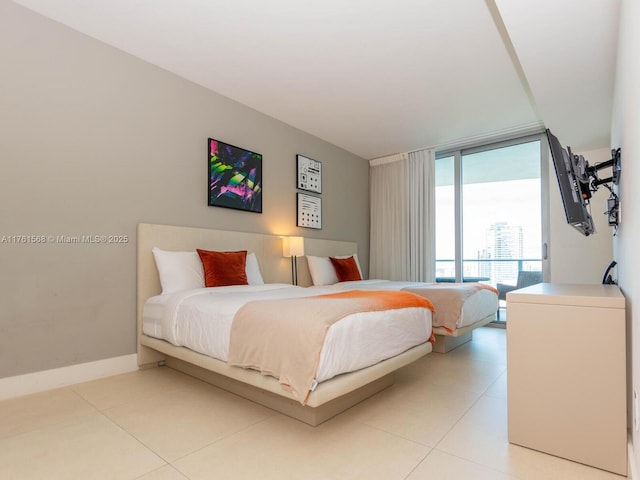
[235, 177]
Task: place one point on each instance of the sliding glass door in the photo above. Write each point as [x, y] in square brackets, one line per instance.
[489, 212]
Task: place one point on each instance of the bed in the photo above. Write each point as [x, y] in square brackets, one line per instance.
[332, 393]
[459, 308]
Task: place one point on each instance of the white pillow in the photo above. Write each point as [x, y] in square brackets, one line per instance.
[254, 277]
[322, 271]
[180, 271]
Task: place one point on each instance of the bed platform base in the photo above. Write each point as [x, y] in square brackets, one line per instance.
[446, 341]
[309, 415]
[328, 400]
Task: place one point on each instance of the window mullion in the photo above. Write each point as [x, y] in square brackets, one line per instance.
[458, 215]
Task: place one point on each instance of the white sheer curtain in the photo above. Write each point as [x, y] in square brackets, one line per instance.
[402, 217]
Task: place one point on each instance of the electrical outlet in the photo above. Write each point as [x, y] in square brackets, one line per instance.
[635, 410]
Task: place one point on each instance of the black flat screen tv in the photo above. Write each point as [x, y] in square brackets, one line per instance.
[574, 188]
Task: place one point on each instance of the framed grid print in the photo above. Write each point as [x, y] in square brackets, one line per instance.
[309, 211]
[309, 174]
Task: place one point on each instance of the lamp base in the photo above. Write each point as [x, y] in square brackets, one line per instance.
[294, 270]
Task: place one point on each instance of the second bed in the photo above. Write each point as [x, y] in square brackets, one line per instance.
[459, 307]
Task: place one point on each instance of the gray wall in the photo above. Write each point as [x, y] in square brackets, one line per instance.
[95, 141]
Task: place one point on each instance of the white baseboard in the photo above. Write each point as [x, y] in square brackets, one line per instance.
[19, 385]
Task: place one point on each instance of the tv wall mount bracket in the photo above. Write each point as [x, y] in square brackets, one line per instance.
[590, 176]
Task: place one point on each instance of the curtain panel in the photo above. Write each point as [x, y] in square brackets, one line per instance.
[402, 239]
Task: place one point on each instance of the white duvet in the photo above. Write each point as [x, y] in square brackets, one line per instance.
[201, 320]
[477, 307]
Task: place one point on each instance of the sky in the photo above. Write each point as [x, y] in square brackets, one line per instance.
[515, 202]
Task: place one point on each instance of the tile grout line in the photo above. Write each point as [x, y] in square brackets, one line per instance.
[482, 393]
[160, 468]
[103, 413]
[120, 427]
[61, 423]
[419, 463]
[432, 449]
[470, 407]
[223, 437]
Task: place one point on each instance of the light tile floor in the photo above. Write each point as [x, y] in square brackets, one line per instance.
[445, 418]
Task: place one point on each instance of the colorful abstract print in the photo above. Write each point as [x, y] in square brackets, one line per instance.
[235, 177]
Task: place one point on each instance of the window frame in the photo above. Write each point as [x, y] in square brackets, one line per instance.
[458, 152]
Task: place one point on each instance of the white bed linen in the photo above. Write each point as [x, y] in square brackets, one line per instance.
[201, 320]
[478, 306]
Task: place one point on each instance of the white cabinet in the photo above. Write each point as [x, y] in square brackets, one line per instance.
[566, 372]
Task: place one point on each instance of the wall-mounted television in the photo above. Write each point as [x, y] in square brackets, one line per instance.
[573, 179]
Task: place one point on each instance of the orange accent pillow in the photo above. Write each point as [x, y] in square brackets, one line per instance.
[346, 269]
[223, 268]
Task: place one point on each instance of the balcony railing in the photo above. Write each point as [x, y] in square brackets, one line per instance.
[488, 270]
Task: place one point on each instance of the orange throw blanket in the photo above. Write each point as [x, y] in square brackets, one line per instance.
[284, 338]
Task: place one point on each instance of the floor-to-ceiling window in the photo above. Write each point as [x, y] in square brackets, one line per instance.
[490, 212]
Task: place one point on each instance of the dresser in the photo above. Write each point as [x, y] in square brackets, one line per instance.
[566, 372]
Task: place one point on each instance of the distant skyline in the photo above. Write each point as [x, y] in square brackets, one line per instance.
[515, 202]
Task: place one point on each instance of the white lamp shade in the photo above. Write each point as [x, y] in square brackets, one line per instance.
[293, 246]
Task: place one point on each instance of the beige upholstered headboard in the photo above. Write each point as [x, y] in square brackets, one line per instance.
[268, 249]
[321, 248]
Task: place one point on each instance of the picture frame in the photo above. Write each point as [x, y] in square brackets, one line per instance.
[308, 174]
[309, 208]
[234, 177]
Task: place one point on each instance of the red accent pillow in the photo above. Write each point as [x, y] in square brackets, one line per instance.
[346, 269]
[224, 268]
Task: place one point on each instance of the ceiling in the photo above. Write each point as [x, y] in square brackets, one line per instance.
[377, 77]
